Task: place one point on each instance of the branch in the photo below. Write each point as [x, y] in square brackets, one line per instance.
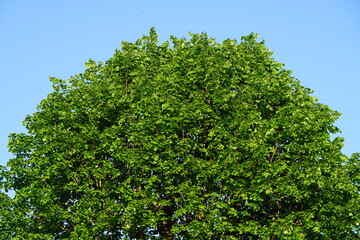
[28, 212]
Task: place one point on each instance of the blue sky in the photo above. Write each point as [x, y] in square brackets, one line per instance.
[319, 40]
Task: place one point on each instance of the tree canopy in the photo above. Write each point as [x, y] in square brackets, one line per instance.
[187, 139]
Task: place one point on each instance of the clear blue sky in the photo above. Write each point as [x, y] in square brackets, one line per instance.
[319, 40]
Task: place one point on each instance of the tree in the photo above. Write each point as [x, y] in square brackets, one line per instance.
[188, 139]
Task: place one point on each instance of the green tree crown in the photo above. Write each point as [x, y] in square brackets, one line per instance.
[188, 139]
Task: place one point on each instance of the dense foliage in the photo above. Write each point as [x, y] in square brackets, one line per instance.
[188, 139]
